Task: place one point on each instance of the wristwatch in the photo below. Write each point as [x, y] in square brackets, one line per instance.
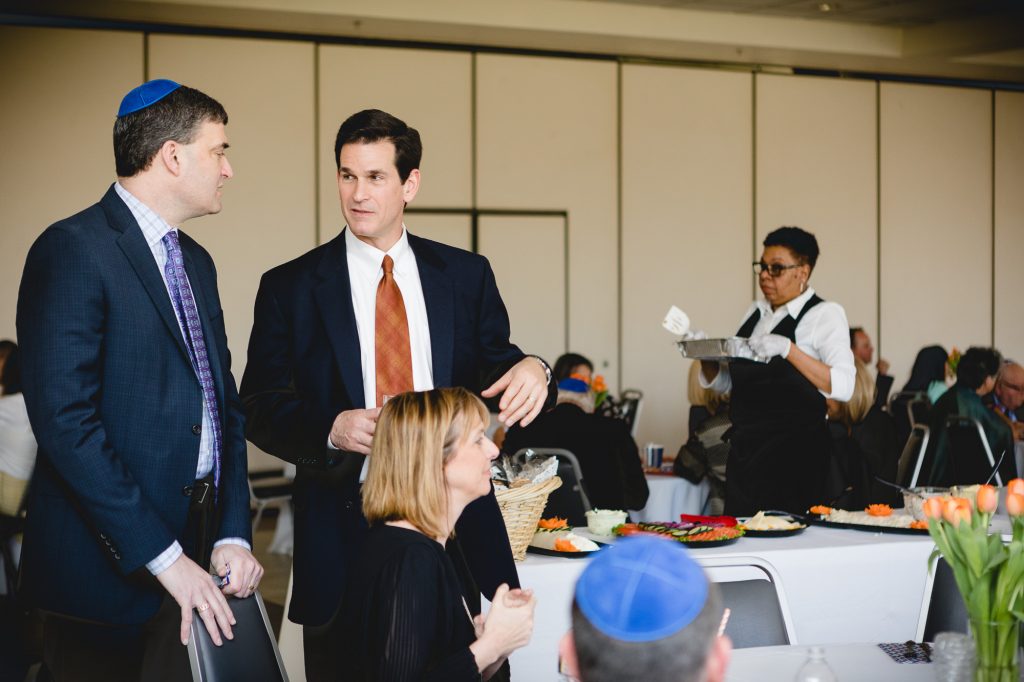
[547, 368]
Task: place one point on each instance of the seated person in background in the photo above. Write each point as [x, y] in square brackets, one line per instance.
[404, 611]
[17, 444]
[609, 459]
[863, 446]
[1008, 397]
[705, 453]
[860, 344]
[571, 364]
[975, 376]
[930, 373]
[664, 628]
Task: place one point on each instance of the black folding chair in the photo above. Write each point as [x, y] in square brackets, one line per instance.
[630, 403]
[943, 609]
[970, 458]
[909, 468]
[252, 655]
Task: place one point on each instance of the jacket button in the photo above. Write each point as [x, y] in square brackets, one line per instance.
[117, 556]
[197, 429]
[187, 491]
[348, 505]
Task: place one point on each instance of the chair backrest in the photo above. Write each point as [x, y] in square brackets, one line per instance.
[751, 590]
[970, 459]
[943, 609]
[569, 501]
[630, 403]
[909, 468]
[918, 409]
[252, 655]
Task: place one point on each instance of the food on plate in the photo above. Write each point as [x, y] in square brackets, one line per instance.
[761, 521]
[879, 510]
[820, 509]
[563, 540]
[919, 525]
[681, 532]
[554, 523]
[914, 501]
[602, 521]
[719, 520]
[895, 519]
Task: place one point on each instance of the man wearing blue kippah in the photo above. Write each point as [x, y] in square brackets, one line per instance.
[140, 481]
[644, 610]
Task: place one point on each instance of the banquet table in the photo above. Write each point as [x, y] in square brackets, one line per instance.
[841, 586]
[671, 496]
[850, 663]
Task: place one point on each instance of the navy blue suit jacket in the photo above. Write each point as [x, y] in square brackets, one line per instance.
[116, 407]
[304, 368]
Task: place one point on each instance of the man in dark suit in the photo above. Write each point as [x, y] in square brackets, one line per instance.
[372, 313]
[141, 471]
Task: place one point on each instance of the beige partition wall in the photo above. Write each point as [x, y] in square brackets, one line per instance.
[454, 229]
[936, 219]
[686, 225]
[268, 215]
[1009, 224]
[528, 255]
[546, 139]
[817, 168]
[61, 89]
[428, 89]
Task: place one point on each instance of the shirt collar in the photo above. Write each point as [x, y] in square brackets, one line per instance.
[152, 225]
[372, 257]
[792, 308]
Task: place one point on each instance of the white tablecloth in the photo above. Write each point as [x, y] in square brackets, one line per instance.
[850, 663]
[671, 496]
[841, 586]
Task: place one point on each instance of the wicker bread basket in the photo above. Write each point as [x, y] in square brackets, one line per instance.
[521, 509]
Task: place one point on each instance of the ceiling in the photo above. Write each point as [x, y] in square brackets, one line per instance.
[895, 13]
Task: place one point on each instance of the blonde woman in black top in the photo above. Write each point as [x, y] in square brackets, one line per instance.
[406, 616]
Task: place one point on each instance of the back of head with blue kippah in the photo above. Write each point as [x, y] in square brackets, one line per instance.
[145, 95]
[642, 589]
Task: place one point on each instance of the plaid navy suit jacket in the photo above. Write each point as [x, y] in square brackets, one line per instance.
[114, 403]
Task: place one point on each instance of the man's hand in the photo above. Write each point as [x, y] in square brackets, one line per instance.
[245, 571]
[883, 366]
[525, 390]
[353, 430]
[192, 587]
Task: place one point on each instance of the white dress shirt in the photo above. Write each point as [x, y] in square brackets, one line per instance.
[365, 272]
[153, 230]
[823, 333]
[17, 444]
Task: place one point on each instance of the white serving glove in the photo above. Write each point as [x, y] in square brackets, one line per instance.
[770, 345]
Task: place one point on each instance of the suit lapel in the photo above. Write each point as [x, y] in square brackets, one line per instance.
[333, 295]
[439, 296]
[137, 251]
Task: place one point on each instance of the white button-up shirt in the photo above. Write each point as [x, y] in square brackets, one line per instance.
[823, 333]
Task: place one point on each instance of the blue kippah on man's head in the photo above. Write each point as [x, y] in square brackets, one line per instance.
[642, 589]
[146, 94]
[573, 385]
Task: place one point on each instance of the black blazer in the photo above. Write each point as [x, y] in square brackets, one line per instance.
[117, 409]
[304, 368]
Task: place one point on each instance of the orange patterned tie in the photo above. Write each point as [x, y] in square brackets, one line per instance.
[391, 343]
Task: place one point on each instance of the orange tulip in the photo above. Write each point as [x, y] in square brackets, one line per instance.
[933, 508]
[1015, 504]
[987, 499]
[599, 385]
[1016, 486]
[955, 510]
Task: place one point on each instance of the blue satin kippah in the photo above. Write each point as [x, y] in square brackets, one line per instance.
[146, 94]
[642, 589]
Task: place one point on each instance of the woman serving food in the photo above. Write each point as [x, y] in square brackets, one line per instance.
[405, 613]
[779, 442]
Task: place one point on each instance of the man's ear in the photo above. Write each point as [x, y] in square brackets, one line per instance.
[567, 656]
[411, 185]
[169, 157]
[718, 659]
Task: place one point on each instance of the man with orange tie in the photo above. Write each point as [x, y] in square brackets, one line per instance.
[374, 312]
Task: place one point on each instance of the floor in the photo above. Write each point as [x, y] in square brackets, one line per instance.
[276, 570]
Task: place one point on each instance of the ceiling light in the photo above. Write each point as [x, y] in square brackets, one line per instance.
[825, 7]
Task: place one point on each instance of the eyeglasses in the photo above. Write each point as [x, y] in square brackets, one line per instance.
[775, 269]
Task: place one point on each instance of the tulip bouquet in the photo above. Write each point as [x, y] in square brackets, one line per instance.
[988, 572]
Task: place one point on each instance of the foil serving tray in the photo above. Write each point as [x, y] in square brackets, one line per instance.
[729, 349]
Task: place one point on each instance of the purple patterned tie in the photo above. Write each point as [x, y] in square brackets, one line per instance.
[185, 306]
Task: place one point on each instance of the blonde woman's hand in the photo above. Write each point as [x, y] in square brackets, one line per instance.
[510, 626]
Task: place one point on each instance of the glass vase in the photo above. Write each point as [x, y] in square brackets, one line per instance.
[997, 650]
